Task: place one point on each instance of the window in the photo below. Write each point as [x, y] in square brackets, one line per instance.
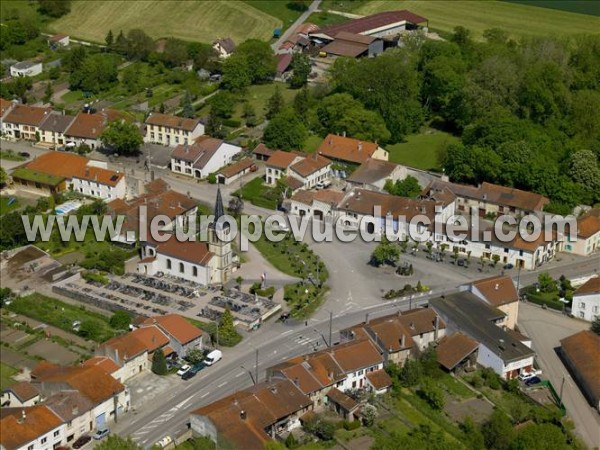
[56, 433]
[582, 305]
[195, 271]
[30, 447]
[506, 250]
[168, 264]
[181, 268]
[43, 440]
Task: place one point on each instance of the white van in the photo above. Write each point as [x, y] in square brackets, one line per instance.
[165, 442]
[213, 357]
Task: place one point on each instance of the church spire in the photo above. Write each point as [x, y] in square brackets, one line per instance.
[219, 210]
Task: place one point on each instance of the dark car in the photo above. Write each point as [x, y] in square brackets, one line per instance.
[533, 380]
[189, 374]
[508, 266]
[82, 441]
[24, 154]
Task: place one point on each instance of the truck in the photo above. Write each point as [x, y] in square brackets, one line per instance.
[213, 357]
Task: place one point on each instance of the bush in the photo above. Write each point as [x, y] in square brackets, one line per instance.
[212, 178]
[159, 363]
[233, 123]
[95, 277]
[432, 394]
[350, 425]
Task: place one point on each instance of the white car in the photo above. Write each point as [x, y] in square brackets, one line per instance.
[524, 376]
[164, 442]
[183, 369]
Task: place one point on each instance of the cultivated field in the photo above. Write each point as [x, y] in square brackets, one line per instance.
[193, 20]
[480, 15]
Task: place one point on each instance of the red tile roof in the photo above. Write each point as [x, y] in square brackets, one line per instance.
[5, 105]
[20, 426]
[346, 149]
[198, 153]
[23, 391]
[27, 115]
[499, 290]
[583, 353]
[281, 160]
[236, 167]
[176, 326]
[368, 24]
[166, 120]
[283, 62]
[195, 252]
[293, 183]
[310, 164]
[262, 149]
[91, 126]
[70, 165]
[589, 224]
[341, 399]
[328, 196]
[379, 379]
[103, 362]
[591, 286]
[451, 350]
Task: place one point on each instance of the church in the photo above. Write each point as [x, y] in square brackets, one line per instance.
[207, 263]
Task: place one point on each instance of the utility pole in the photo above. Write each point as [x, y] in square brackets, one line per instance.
[256, 369]
[330, 329]
[562, 385]
[217, 346]
[519, 281]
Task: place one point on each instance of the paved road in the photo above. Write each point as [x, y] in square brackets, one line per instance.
[299, 21]
[546, 328]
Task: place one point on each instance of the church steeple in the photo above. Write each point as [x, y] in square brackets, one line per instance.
[219, 211]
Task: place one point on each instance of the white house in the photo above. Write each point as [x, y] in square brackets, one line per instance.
[52, 129]
[320, 204]
[23, 121]
[26, 69]
[373, 174]
[235, 171]
[224, 47]
[19, 394]
[311, 170]
[205, 156]
[76, 412]
[88, 127]
[588, 234]
[500, 292]
[586, 300]
[278, 164]
[58, 40]
[31, 428]
[171, 130]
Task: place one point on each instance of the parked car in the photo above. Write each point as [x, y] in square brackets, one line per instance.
[164, 442]
[101, 434]
[81, 441]
[213, 357]
[188, 375]
[508, 266]
[533, 380]
[524, 376]
[183, 369]
[24, 154]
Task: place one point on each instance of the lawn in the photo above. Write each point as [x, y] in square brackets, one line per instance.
[279, 9]
[324, 19]
[258, 95]
[259, 194]
[517, 19]
[4, 206]
[62, 315]
[6, 374]
[420, 150]
[189, 20]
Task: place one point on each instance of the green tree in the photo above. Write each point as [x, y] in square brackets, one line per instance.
[139, 44]
[222, 104]
[88, 329]
[48, 93]
[97, 73]
[275, 104]
[227, 329]
[109, 39]
[5, 294]
[159, 363]
[54, 8]
[285, 131]
[543, 435]
[498, 432]
[214, 126]
[595, 326]
[250, 115]
[301, 70]
[116, 442]
[409, 187]
[302, 104]
[386, 252]
[195, 356]
[236, 73]
[175, 52]
[131, 79]
[120, 320]
[121, 43]
[584, 170]
[495, 36]
[122, 137]
[432, 394]
[473, 436]
[369, 414]
[3, 176]
[188, 108]
[546, 282]
[411, 373]
[260, 60]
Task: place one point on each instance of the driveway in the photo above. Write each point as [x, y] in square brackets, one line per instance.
[299, 21]
[546, 328]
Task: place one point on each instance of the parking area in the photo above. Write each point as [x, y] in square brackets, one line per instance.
[146, 296]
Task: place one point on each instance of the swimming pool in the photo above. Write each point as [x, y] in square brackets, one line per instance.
[67, 208]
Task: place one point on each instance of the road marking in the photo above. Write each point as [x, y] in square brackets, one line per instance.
[240, 374]
[204, 395]
[287, 332]
[222, 384]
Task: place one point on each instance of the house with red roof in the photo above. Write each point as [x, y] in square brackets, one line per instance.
[22, 121]
[348, 150]
[182, 335]
[172, 130]
[204, 156]
[87, 127]
[586, 300]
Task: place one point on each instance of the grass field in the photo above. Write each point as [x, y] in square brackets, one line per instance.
[6, 373]
[5, 208]
[420, 150]
[196, 20]
[517, 19]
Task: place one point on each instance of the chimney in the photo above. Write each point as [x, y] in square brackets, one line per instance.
[344, 134]
[403, 341]
[75, 411]
[360, 145]
[367, 318]
[87, 171]
[243, 414]
[412, 325]
[297, 382]
[330, 141]
[23, 417]
[497, 286]
[330, 375]
[274, 389]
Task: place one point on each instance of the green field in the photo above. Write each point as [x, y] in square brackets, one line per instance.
[196, 20]
[6, 374]
[518, 20]
[420, 150]
[4, 208]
